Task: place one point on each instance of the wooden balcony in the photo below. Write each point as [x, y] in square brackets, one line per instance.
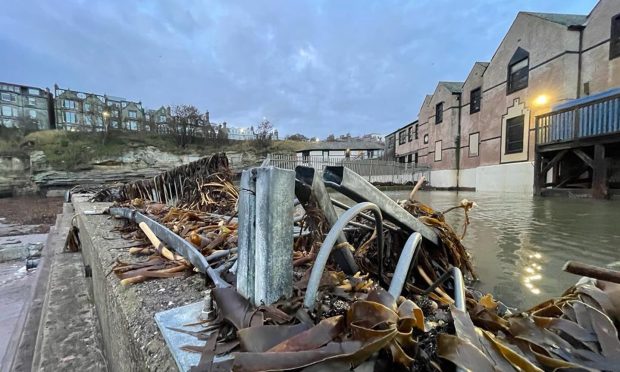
[579, 144]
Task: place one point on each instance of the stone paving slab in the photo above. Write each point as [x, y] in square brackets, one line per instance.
[69, 338]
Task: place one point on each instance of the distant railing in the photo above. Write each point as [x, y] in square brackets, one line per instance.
[376, 170]
[589, 119]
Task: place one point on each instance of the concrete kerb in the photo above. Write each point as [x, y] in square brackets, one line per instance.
[131, 338]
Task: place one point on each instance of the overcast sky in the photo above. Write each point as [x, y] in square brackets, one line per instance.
[315, 67]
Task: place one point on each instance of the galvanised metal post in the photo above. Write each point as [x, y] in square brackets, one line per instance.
[273, 241]
[246, 234]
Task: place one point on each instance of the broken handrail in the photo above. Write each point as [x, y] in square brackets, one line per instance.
[308, 177]
[357, 188]
[328, 244]
[180, 245]
[407, 256]
[459, 286]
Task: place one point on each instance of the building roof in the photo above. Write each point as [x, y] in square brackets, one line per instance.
[350, 145]
[453, 86]
[562, 19]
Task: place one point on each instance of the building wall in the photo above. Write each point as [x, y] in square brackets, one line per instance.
[598, 71]
[24, 107]
[442, 156]
[470, 122]
[554, 51]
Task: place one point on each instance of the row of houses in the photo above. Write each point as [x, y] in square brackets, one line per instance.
[65, 109]
[480, 133]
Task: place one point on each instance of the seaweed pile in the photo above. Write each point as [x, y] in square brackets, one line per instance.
[356, 323]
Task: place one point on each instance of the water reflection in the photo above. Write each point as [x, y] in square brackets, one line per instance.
[519, 243]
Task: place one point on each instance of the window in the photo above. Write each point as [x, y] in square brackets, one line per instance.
[33, 92]
[133, 114]
[416, 131]
[409, 134]
[69, 104]
[614, 41]
[438, 151]
[88, 120]
[87, 107]
[8, 97]
[415, 158]
[425, 138]
[132, 125]
[162, 118]
[409, 158]
[518, 71]
[32, 101]
[114, 113]
[474, 142]
[32, 114]
[514, 135]
[474, 100]
[402, 137]
[70, 117]
[7, 111]
[439, 113]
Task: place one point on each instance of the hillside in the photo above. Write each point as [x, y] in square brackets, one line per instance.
[74, 151]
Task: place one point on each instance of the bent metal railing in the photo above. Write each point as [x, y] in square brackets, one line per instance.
[590, 119]
[374, 170]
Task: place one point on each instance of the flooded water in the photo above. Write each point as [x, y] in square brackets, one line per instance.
[520, 243]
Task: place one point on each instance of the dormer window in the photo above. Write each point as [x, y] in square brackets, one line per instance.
[518, 71]
[614, 41]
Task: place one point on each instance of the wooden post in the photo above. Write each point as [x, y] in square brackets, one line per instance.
[537, 171]
[599, 173]
[556, 173]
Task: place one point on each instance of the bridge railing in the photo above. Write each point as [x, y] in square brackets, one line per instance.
[595, 118]
[376, 170]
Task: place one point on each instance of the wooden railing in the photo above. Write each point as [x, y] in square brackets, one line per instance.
[376, 170]
[595, 118]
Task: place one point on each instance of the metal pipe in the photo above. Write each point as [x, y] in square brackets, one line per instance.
[174, 241]
[357, 188]
[459, 286]
[308, 184]
[407, 255]
[328, 245]
[345, 207]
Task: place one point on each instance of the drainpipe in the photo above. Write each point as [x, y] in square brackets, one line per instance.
[579, 28]
[457, 142]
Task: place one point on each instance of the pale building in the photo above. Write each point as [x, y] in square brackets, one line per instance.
[25, 107]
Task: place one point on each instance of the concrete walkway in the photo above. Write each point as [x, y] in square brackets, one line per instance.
[15, 294]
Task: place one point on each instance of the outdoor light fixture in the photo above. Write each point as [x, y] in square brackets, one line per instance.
[106, 114]
[541, 100]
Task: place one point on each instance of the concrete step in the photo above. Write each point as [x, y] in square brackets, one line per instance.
[68, 336]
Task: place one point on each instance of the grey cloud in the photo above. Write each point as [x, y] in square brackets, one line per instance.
[312, 67]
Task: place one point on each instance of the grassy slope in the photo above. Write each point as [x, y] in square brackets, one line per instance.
[74, 150]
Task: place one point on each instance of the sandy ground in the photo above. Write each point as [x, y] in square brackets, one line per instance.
[30, 211]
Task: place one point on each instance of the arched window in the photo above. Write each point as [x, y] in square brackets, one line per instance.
[518, 70]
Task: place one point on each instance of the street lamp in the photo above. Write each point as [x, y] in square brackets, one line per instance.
[541, 100]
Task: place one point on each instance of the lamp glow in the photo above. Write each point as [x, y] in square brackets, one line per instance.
[541, 100]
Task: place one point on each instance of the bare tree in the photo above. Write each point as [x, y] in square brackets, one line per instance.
[27, 125]
[263, 134]
[185, 120]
